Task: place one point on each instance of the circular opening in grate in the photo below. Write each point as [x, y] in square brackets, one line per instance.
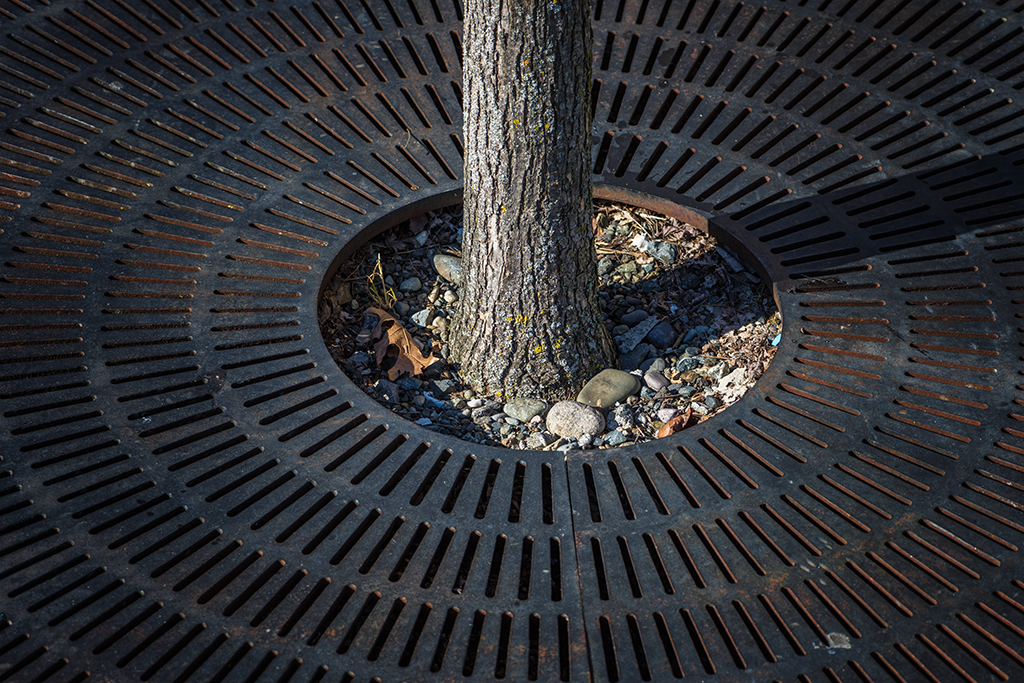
[694, 324]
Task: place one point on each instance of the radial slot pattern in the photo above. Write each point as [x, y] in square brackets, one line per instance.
[190, 489]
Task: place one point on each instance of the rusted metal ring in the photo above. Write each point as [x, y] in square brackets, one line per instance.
[191, 490]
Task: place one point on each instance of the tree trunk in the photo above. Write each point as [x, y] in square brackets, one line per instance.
[528, 322]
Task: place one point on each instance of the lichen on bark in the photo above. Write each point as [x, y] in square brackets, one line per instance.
[529, 322]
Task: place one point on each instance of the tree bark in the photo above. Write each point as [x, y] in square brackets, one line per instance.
[529, 322]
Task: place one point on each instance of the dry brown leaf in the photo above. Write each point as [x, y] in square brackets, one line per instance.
[394, 348]
[676, 424]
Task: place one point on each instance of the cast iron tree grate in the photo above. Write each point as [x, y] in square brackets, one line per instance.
[192, 491]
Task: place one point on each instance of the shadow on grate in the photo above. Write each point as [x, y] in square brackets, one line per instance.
[192, 491]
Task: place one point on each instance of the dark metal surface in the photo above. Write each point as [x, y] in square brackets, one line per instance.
[190, 490]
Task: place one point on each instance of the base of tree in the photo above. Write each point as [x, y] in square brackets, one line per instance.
[701, 285]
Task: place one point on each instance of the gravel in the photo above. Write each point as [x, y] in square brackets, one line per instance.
[687, 320]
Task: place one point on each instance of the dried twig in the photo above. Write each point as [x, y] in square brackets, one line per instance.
[378, 290]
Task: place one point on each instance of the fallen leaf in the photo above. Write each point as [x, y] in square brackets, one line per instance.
[394, 348]
[417, 224]
[676, 424]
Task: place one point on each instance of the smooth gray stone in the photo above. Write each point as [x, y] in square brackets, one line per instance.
[607, 388]
[412, 284]
[634, 317]
[449, 267]
[662, 335]
[524, 409]
[654, 365]
[631, 361]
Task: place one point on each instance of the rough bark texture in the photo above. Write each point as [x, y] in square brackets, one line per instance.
[529, 322]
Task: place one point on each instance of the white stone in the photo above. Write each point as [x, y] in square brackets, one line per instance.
[421, 318]
[572, 419]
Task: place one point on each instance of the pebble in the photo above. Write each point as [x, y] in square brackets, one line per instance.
[627, 270]
[615, 438]
[443, 386]
[422, 318]
[629, 340]
[654, 365]
[663, 251]
[388, 390]
[525, 409]
[634, 317]
[571, 419]
[717, 372]
[412, 284]
[632, 360]
[539, 440]
[623, 417]
[607, 388]
[685, 364]
[449, 267]
[655, 380]
[666, 414]
[662, 335]
[730, 260]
